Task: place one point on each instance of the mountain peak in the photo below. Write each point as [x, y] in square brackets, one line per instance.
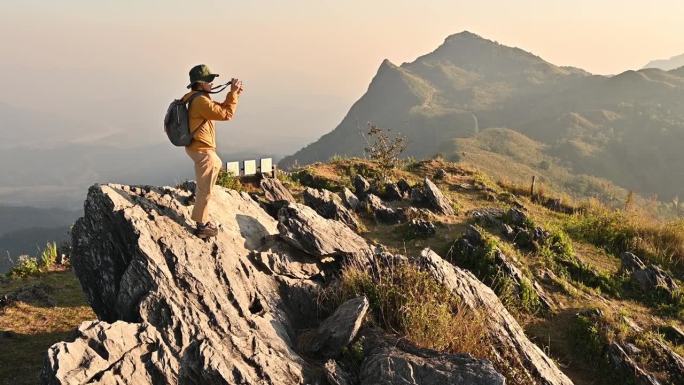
[464, 35]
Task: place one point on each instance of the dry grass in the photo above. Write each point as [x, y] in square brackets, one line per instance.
[27, 330]
[409, 302]
[657, 241]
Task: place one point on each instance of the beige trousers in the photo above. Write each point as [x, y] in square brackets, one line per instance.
[207, 167]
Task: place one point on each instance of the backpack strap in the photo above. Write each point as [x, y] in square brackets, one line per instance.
[190, 99]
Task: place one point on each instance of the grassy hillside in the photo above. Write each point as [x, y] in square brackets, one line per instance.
[579, 269]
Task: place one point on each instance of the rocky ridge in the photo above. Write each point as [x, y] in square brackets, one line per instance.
[175, 309]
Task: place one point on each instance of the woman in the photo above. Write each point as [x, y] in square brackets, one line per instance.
[202, 112]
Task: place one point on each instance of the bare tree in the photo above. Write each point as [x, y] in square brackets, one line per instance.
[383, 147]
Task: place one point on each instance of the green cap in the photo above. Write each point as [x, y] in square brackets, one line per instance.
[201, 73]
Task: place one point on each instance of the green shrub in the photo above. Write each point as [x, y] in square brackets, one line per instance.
[229, 181]
[48, 256]
[482, 262]
[29, 266]
[25, 267]
[561, 258]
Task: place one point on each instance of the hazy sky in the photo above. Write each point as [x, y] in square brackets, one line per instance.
[118, 63]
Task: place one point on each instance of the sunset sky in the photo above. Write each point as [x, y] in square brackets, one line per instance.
[303, 62]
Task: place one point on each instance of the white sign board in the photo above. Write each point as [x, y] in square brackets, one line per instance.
[250, 167]
[266, 166]
[233, 168]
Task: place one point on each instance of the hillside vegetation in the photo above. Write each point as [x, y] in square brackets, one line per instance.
[594, 302]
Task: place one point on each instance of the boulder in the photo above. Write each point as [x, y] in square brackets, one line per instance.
[392, 192]
[330, 206]
[350, 200]
[301, 227]
[509, 340]
[417, 196]
[37, 294]
[361, 186]
[516, 217]
[440, 174]
[654, 278]
[174, 308]
[435, 199]
[336, 331]
[382, 212]
[389, 361]
[421, 228]
[631, 262]
[623, 363]
[105, 353]
[473, 239]
[336, 375]
[275, 191]
[474, 236]
[404, 187]
[673, 334]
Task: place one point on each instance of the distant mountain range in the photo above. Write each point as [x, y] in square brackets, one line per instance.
[627, 128]
[667, 64]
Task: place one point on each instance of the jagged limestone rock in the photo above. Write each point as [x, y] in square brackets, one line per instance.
[441, 174]
[382, 212]
[336, 331]
[350, 200]
[304, 229]
[195, 311]
[404, 187]
[473, 239]
[110, 354]
[631, 262]
[336, 375]
[275, 191]
[510, 344]
[421, 228]
[361, 186]
[176, 309]
[329, 205]
[392, 192]
[654, 278]
[389, 361]
[435, 199]
[622, 362]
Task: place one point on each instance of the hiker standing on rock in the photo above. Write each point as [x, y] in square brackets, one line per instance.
[202, 111]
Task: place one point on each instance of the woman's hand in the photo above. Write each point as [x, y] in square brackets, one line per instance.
[236, 86]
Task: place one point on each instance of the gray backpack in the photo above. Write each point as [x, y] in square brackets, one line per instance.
[177, 121]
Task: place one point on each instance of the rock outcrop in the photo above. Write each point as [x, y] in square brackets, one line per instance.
[622, 362]
[336, 331]
[304, 229]
[392, 362]
[275, 191]
[350, 199]
[509, 341]
[194, 311]
[176, 309]
[436, 200]
[381, 211]
[329, 205]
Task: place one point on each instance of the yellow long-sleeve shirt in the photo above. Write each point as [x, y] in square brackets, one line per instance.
[202, 112]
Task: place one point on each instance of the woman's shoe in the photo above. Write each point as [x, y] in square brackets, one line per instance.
[206, 230]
